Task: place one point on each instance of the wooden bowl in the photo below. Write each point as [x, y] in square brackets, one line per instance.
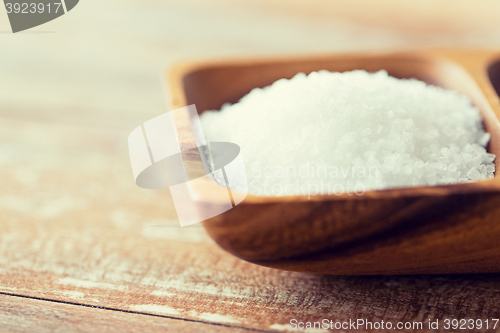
[417, 230]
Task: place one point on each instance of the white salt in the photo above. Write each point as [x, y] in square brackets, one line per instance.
[338, 132]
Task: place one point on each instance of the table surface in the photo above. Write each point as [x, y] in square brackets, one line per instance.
[83, 249]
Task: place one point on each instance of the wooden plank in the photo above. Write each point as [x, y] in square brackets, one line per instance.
[19, 314]
[81, 231]
[421, 19]
[75, 228]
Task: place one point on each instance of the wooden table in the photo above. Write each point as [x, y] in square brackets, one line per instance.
[83, 249]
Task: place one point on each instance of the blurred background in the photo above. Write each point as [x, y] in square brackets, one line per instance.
[72, 89]
[108, 59]
[74, 225]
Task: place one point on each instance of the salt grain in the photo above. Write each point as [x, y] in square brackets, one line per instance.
[408, 132]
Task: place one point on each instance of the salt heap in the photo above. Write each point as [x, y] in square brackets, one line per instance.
[330, 132]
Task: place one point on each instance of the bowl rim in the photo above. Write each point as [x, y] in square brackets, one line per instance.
[474, 62]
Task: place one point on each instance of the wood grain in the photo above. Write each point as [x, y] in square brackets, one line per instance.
[426, 19]
[21, 314]
[74, 227]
